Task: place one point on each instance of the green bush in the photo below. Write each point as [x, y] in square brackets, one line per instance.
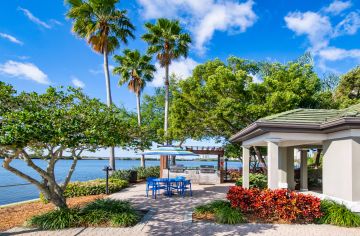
[92, 187]
[336, 214]
[229, 215]
[255, 181]
[211, 207]
[223, 212]
[145, 172]
[125, 219]
[124, 174]
[57, 219]
[103, 212]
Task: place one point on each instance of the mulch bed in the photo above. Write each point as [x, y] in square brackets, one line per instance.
[16, 215]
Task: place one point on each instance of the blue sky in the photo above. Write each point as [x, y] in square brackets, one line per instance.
[38, 49]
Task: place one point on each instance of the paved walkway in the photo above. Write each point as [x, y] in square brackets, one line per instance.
[172, 216]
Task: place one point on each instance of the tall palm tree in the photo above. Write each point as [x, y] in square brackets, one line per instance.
[136, 70]
[167, 40]
[104, 27]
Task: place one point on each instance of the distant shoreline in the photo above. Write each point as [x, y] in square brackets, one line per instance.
[138, 159]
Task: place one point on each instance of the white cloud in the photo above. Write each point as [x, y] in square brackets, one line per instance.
[203, 17]
[336, 7]
[316, 27]
[24, 70]
[336, 54]
[181, 68]
[11, 38]
[100, 69]
[77, 83]
[349, 25]
[34, 19]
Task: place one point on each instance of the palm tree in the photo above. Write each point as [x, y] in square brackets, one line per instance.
[167, 40]
[136, 70]
[104, 27]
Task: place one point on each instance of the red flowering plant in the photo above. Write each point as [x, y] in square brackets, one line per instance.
[278, 204]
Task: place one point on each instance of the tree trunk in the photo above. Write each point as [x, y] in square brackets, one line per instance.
[142, 161]
[166, 102]
[58, 201]
[109, 102]
[261, 159]
[138, 108]
[317, 158]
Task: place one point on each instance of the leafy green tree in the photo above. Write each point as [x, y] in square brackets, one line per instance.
[348, 91]
[167, 40]
[53, 125]
[104, 27]
[219, 99]
[136, 70]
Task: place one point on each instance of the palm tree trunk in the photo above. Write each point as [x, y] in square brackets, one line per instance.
[138, 107]
[109, 102]
[166, 102]
[138, 95]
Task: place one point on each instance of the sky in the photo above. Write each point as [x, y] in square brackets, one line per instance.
[38, 48]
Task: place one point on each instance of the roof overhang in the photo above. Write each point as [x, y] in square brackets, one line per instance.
[261, 127]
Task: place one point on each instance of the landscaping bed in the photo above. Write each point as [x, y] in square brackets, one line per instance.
[274, 206]
[16, 215]
[99, 213]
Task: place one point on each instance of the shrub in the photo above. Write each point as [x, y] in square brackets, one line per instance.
[229, 215]
[94, 187]
[336, 214]
[124, 175]
[103, 212]
[255, 181]
[211, 207]
[125, 219]
[275, 204]
[57, 219]
[235, 174]
[222, 210]
[145, 172]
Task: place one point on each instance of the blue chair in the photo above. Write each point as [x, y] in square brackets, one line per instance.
[186, 185]
[154, 186]
[177, 185]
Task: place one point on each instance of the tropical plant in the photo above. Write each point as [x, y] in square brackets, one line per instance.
[255, 181]
[136, 70]
[337, 214]
[49, 125]
[167, 40]
[101, 212]
[104, 27]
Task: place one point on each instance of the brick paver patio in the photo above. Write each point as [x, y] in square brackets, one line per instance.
[172, 216]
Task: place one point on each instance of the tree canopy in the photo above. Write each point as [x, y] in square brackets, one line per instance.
[55, 124]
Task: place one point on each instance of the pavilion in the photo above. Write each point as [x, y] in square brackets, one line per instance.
[337, 132]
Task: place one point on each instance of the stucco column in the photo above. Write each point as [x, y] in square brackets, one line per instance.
[283, 182]
[245, 167]
[273, 165]
[290, 168]
[303, 171]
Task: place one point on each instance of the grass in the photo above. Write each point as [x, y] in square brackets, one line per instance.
[222, 211]
[102, 212]
[337, 214]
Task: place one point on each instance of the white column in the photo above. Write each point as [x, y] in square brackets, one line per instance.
[283, 183]
[290, 168]
[245, 167]
[303, 171]
[273, 165]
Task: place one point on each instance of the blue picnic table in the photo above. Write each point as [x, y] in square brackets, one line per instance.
[180, 184]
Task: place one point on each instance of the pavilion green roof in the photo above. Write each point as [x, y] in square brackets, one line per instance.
[312, 116]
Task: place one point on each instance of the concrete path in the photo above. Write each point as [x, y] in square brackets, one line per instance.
[172, 216]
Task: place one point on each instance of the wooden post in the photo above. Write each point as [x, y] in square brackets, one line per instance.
[163, 165]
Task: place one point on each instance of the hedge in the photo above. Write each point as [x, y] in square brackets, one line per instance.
[92, 187]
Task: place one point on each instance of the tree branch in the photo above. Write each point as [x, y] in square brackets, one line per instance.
[6, 165]
[72, 169]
